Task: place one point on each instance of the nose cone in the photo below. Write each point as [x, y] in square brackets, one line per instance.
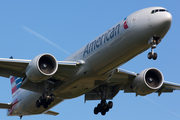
[165, 20]
[162, 20]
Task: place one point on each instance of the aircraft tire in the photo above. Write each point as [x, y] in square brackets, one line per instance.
[45, 105]
[155, 56]
[52, 97]
[96, 111]
[41, 100]
[37, 104]
[103, 112]
[49, 102]
[150, 55]
[110, 104]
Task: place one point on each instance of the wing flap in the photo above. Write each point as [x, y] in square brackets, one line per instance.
[49, 112]
[120, 80]
[94, 94]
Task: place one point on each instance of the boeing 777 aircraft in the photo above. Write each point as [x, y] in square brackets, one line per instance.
[41, 83]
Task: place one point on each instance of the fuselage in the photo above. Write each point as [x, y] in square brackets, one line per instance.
[102, 56]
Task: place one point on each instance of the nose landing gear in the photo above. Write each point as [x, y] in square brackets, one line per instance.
[152, 54]
[153, 41]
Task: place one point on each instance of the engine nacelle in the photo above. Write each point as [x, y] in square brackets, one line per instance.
[148, 81]
[41, 68]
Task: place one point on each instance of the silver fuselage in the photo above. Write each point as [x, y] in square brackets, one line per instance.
[102, 56]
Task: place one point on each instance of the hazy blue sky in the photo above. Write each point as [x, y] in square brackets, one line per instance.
[30, 28]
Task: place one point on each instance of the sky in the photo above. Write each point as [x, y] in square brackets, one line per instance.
[30, 28]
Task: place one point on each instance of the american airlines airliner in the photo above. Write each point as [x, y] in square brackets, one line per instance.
[43, 82]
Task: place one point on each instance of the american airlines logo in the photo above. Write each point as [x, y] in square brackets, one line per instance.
[110, 34]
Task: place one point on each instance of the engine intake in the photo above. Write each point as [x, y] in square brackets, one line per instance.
[41, 68]
[46, 64]
[148, 81]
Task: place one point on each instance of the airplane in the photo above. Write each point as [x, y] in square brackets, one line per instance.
[43, 82]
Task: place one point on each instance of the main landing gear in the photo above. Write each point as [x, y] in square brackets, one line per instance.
[45, 100]
[103, 106]
[153, 42]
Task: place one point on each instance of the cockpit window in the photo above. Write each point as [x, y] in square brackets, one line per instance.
[158, 10]
[162, 10]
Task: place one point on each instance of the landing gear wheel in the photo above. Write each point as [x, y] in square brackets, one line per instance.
[41, 101]
[150, 55]
[155, 56]
[110, 104]
[45, 105]
[103, 112]
[52, 97]
[38, 104]
[49, 102]
[107, 109]
[96, 111]
[103, 107]
[45, 100]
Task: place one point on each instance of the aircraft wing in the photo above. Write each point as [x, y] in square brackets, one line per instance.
[122, 80]
[17, 67]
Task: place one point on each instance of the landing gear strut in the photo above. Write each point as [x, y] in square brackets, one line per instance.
[103, 106]
[45, 99]
[153, 42]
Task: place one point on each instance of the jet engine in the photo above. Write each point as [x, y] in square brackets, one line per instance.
[148, 81]
[41, 68]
